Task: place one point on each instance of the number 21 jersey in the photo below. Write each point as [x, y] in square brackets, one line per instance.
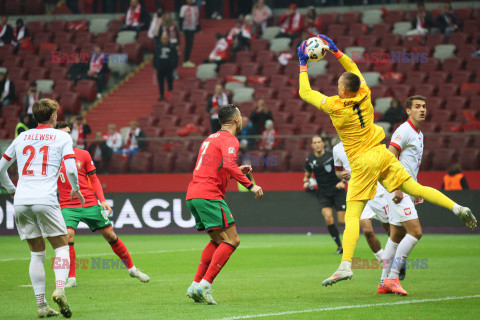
[39, 153]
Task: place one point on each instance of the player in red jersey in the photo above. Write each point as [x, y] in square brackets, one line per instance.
[92, 214]
[216, 163]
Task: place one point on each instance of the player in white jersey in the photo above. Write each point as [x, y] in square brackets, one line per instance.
[39, 153]
[405, 229]
[377, 208]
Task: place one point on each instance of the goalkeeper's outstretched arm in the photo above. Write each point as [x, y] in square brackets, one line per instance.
[307, 94]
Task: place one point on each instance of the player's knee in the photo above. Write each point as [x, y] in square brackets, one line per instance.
[235, 241]
[417, 234]
[368, 232]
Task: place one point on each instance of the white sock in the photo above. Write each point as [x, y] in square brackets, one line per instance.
[456, 208]
[387, 258]
[132, 269]
[205, 284]
[37, 275]
[345, 265]
[404, 248]
[194, 283]
[61, 266]
[379, 254]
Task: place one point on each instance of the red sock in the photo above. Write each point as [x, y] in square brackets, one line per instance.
[122, 252]
[219, 259]
[73, 256]
[205, 259]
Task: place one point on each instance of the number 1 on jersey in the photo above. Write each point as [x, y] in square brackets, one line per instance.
[204, 148]
[30, 151]
[356, 107]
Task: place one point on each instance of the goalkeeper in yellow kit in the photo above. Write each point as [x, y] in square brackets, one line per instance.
[352, 114]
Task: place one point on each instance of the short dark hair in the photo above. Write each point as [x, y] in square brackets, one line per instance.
[43, 109]
[351, 81]
[33, 84]
[226, 113]
[409, 101]
[63, 124]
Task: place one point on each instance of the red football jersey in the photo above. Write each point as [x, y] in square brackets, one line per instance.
[85, 166]
[216, 162]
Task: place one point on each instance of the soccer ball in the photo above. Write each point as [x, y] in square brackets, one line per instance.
[316, 49]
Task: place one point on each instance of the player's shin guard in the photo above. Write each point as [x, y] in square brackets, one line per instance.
[352, 228]
[404, 248]
[73, 257]
[434, 196]
[122, 252]
[61, 266]
[219, 259]
[205, 260]
[37, 275]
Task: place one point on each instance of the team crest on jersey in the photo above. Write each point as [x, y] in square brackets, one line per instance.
[328, 168]
[407, 211]
[231, 150]
[79, 164]
[398, 138]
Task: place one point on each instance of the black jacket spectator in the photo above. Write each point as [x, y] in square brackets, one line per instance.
[7, 90]
[20, 32]
[394, 114]
[78, 71]
[165, 60]
[100, 152]
[6, 31]
[259, 116]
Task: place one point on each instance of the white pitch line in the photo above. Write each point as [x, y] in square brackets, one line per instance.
[141, 252]
[349, 307]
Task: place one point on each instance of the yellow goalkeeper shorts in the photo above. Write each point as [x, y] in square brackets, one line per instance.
[377, 164]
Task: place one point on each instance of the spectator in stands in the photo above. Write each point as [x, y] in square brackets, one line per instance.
[22, 124]
[395, 113]
[100, 152]
[219, 98]
[190, 23]
[72, 5]
[247, 130]
[32, 95]
[155, 26]
[134, 139]
[259, 116]
[6, 31]
[7, 90]
[447, 20]
[113, 138]
[269, 140]
[97, 69]
[422, 22]
[165, 60]
[78, 70]
[239, 36]
[169, 27]
[260, 13]
[454, 180]
[220, 53]
[313, 23]
[80, 131]
[136, 18]
[291, 23]
[20, 32]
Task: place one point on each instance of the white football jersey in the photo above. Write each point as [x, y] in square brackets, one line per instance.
[39, 153]
[409, 142]
[341, 162]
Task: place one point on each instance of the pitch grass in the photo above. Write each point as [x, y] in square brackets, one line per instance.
[267, 274]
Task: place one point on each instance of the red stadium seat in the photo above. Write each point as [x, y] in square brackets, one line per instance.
[415, 78]
[282, 117]
[357, 30]
[278, 161]
[452, 64]
[464, 14]
[37, 73]
[42, 37]
[367, 41]
[437, 77]
[21, 87]
[86, 90]
[447, 90]
[424, 89]
[87, 48]
[141, 163]
[405, 67]
[271, 68]
[279, 81]
[345, 41]
[472, 162]
[244, 57]
[259, 45]
[323, 80]
[287, 93]
[37, 26]
[351, 17]
[431, 65]
[57, 25]
[461, 76]
[303, 118]
[465, 51]
[118, 164]
[199, 97]
[379, 91]
[458, 39]
[13, 8]
[11, 111]
[62, 86]
[443, 158]
[456, 103]
[393, 16]
[430, 127]
[337, 30]
[153, 132]
[434, 142]
[145, 42]
[435, 103]
[329, 18]
[426, 163]
[310, 128]
[69, 48]
[265, 93]
[12, 61]
[382, 30]
[33, 62]
[460, 142]
[295, 105]
[183, 108]
[115, 25]
[297, 161]
[112, 47]
[210, 84]
[70, 101]
[163, 162]
[185, 163]
[265, 56]
[473, 64]
[293, 144]
[134, 52]
[105, 37]
[434, 39]
[402, 91]
[35, 7]
[179, 95]
[227, 69]
[83, 37]
[250, 69]
[382, 67]
[470, 26]
[442, 116]
[63, 38]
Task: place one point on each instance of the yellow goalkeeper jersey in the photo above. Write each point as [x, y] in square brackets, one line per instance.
[352, 118]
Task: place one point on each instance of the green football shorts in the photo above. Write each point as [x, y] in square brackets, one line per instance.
[93, 216]
[210, 214]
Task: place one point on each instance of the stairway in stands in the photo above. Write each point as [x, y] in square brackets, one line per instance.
[135, 97]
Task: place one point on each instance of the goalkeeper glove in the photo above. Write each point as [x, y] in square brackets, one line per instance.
[330, 43]
[302, 56]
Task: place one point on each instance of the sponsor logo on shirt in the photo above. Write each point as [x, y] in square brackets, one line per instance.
[398, 138]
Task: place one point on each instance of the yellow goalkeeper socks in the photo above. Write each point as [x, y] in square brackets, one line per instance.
[431, 195]
[352, 228]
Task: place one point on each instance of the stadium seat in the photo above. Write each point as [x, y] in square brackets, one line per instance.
[447, 90]
[98, 25]
[379, 91]
[393, 16]
[337, 30]
[63, 37]
[265, 93]
[358, 30]
[382, 104]
[470, 26]
[405, 67]
[145, 42]
[472, 162]
[278, 161]
[153, 132]
[444, 51]
[458, 39]
[247, 107]
[287, 128]
[415, 78]
[259, 45]
[13, 8]
[228, 69]
[355, 53]
[37, 26]
[295, 105]
[351, 17]
[105, 37]
[83, 37]
[270, 33]
[33, 7]
[86, 90]
[297, 161]
[271, 68]
[443, 158]
[464, 14]
[430, 127]
[426, 162]
[371, 17]
[250, 69]
[210, 84]
[402, 91]
[41, 37]
[62, 86]
[303, 118]
[57, 26]
[329, 18]
[401, 28]
[68, 48]
[460, 142]
[21, 87]
[134, 52]
[434, 39]
[456, 103]
[115, 25]
[118, 164]
[367, 41]
[435, 103]
[70, 102]
[199, 97]
[163, 162]
[243, 95]
[162, 108]
[434, 141]
[465, 51]
[141, 163]
[279, 81]
[185, 163]
[310, 129]
[437, 77]
[322, 80]
[461, 76]
[266, 56]
[234, 85]
[37, 73]
[33, 62]
[243, 57]
[207, 71]
[424, 89]
[381, 30]
[473, 65]
[381, 67]
[124, 37]
[442, 116]
[181, 108]
[12, 61]
[293, 144]
[431, 65]
[345, 41]
[287, 93]
[45, 85]
[278, 45]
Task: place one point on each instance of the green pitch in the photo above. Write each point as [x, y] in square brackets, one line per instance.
[277, 276]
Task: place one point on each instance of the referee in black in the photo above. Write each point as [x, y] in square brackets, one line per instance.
[331, 191]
